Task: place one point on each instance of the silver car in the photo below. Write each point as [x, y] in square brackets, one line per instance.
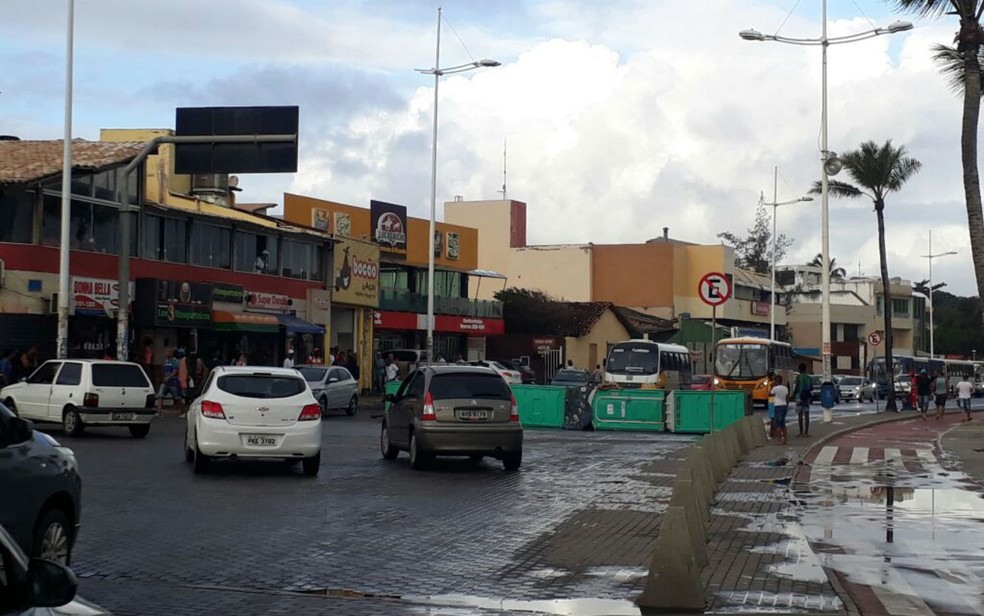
[856, 388]
[451, 410]
[333, 387]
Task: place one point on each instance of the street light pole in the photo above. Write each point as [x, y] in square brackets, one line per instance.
[932, 328]
[438, 72]
[829, 164]
[775, 208]
[64, 274]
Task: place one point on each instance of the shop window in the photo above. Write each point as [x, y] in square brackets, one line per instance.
[394, 279]
[256, 253]
[300, 260]
[211, 246]
[173, 240]
[94, 227]
[151, 238]
[17, 216]
[446, 284]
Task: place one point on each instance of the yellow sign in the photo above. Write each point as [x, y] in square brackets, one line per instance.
[355, 277]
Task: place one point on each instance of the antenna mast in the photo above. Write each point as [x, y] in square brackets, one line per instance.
[503, 191]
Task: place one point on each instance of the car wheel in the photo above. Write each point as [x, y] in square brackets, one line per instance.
[388, 449]
[513, 461]
[10, 405]
[418, 458]
[140, 430]
[323, 403]
[72, 423]
[201, 461]
[353, 406]
[53, 537]
[312, 465]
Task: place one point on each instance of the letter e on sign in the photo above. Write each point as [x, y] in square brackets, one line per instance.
[714, 289]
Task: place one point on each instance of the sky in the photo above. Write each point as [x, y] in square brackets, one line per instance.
[619, 117]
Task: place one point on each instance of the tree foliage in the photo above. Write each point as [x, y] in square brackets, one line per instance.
[836, 272]
[958, 325]
[753, 251]
[527, 311]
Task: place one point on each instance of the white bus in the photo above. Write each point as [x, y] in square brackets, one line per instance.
[650, 365]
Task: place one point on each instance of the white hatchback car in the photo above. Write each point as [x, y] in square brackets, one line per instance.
[512, 377]
[254, 412]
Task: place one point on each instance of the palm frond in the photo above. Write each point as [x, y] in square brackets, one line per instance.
[932, 8]
[951, 65]
[837, 189]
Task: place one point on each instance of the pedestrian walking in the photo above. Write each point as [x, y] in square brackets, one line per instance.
[803, 393]
[184, 377]
[940, 390]
[170, 384]
[570, 364]
[780, 394]
[596, 376]
[289, 360]
[923, 387]
[392, 370]
[240, 360]
[965, 391]
[6, 367]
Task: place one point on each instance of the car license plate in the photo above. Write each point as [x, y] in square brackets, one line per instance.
[121, 416]
[260, 440]
[473, 415]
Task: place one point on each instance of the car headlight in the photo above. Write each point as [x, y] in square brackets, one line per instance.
[717, 381]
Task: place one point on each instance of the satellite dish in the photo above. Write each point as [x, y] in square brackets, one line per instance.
[233, 181]
[833, 164]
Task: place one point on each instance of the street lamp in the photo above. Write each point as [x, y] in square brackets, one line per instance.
[64, 273]
[437, 72]
[829, 163]
[775, 206]
[931, 256]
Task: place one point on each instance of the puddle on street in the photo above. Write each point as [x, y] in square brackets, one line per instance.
[561, 607]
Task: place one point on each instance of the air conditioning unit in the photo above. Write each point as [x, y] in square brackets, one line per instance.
[210, 184]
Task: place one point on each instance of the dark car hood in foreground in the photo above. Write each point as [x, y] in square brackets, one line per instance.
[78, 607]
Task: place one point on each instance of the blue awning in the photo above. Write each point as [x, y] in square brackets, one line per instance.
[299, 326]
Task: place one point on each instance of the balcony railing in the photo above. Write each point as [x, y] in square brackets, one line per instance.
[402, 301]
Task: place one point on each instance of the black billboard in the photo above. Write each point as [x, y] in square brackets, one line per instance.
[172, 303]
[389, 225]
[221, 158]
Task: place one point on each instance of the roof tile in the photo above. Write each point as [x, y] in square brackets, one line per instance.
[29, 161]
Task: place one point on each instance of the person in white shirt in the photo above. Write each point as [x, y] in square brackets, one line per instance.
[289, 360]
[392, 370]
[781, 394]
[965, 391]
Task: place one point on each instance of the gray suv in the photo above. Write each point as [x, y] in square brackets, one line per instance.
[452, 410]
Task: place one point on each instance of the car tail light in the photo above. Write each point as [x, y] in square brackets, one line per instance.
[428, 413]
[90, 400]
[514, 411]
[212, 410]
[310, 412]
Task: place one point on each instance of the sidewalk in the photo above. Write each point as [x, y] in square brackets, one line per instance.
[964, 445]
[750, 556]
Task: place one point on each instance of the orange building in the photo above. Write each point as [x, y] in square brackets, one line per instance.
[461, 323]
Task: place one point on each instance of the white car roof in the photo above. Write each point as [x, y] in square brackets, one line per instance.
[258, 370]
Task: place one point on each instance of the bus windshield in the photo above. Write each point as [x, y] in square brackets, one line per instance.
[633, 359]
[742, 361]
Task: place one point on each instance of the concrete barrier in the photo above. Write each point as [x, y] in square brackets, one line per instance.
[685, 496]
[731, 436]
[741, 437]
[703, 475]
[718, 456]
[673, 584]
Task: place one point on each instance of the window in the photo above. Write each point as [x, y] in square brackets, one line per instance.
[173, 240]
[879, 302]
[475, 386]
[313, 375]
[118, 375]
[45, 375]
[301, 260]
[94, 227]
[17, 216]
[851, 333]
[341, 374]
[262, 387]
[417, 387]
[446, 284]
[394, 278]
[151, 237]
[71, 374]
[256, 253]
[211, 246]
[900, 307]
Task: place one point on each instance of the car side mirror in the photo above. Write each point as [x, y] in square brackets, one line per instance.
[18, 430]
[50, 584]
[23, 379]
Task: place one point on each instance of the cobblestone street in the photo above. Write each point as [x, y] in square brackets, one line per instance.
[577, 522]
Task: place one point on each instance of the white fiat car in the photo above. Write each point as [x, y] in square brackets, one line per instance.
[82, 393]
[254, 412]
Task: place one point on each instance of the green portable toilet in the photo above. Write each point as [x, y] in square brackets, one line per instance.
[629, 409]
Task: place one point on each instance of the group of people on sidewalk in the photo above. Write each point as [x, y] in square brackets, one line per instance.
[938, 389]
[802, 394]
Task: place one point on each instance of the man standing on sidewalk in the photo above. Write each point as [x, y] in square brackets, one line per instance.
[922, 385]
[940, 389]
[781, 393]
[965, 390]
[803, 393]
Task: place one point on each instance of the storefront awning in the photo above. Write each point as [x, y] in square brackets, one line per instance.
[299, 326]
[245, 322]
[482, 273]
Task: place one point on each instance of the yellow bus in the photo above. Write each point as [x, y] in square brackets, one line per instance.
[745, 364]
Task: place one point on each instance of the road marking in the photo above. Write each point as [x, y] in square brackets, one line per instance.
[929, 461]
[822, 468]
[898, 604]
[859, 455]
[893, 455]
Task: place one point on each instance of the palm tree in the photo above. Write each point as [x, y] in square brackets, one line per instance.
[876, 171]
[836, 273]
[962, 65]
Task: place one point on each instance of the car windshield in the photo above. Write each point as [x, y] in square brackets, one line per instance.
[633, 359]
[742, 361]
[261, 386]
[851, 381]
[817, 380]
[457, 386]
[312, 375]
[118, 375]
[572, 376]
[700, 379]
[904, 379]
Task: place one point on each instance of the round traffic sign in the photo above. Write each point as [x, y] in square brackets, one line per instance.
[874, 338]
[714, 289]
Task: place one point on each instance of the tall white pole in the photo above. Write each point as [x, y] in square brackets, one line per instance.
[824, 212]
[433, 204]
[66, 193]
[932, 347]
[772, 293]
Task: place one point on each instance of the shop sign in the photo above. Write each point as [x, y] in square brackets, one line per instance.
[319, 219]
[268, 301]
[343, 224]
[760, 308]
[228, 293]
[389, 225]
[442, 323]
[454, 245]
[97, 297]
[396, 320]
[545, 344]
[355, 276]
[174, 303]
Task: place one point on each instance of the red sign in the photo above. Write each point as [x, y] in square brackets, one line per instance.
[714, 289]
[442, 323]
[760, 308]
[268, 301]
